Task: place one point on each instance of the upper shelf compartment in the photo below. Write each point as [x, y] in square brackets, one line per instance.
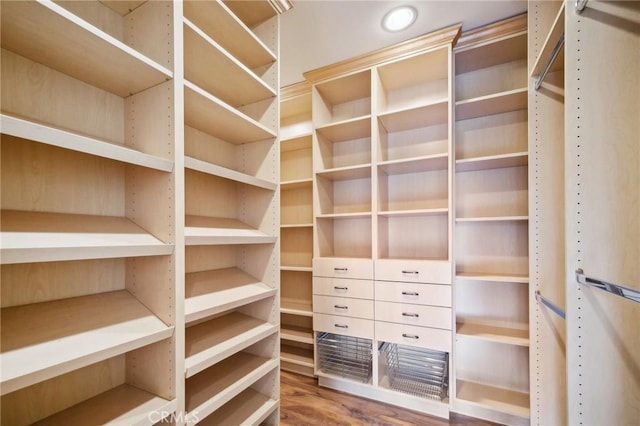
[51, 35]
[211, 67]
[342, 99]
[220, 23]
[402, 88]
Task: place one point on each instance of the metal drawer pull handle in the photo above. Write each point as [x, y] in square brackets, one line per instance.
[335, 287]
[410, 314]
[341, 306]
[410, 336]
[341, 325]
[340, 269]
[410, 293]
[410, 272]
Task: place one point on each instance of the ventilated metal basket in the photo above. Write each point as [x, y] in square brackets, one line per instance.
[417, 371]
[345, 356]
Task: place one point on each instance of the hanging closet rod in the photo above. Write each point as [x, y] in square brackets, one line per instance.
[546, 302]
[580, 5]
[618, 290]
[552, 59]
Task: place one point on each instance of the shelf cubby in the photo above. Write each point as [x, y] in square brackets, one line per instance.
[342, 99]
[295, 293]
[398, 238]
[249, 407]
[296, 160]
[401, 88]
[347, 144]
[296, 245]
[209, 342]
[41, 340]
[85, 51]
[293, 333]
[495, 103]
[296, 204]
[302, 357]
[295, 119]
[349, 237]
[503, 400]
[422, 184]
[344, 191]
[220, 23]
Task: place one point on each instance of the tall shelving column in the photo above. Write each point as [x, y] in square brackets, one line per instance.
[492, 223]
[296, 230]
[231, 83]
[547, 206]
[90, 238]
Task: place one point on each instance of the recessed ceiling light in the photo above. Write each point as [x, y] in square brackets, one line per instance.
[399, 18]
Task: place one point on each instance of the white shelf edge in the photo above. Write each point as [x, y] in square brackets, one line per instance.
[297, 225]
[489, 333]
[215, 170]
[484, 219]
[490, 409]
[343, 122]
[384, 114]
[362, 215]
[36, 132]
[477, 276]
[491, 96]
[417, 212]
[296, 268]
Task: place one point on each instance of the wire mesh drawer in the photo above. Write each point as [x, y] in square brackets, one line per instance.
[345, 356]
[417, 371]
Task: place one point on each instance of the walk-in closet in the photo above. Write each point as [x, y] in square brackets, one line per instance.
[296, 212]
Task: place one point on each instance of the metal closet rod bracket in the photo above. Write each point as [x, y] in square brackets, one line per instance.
[580, 5]
[618, 290]
[554, 308]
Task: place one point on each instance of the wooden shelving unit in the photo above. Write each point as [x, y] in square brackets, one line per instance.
[140, 205]
[492, 224]
[296, 229]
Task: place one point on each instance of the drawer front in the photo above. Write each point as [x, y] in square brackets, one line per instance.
[416, 271]
[356, 308]
[355, 327]
[430, 338]
[418, 294]
[340, 287]
[343, 268]
[420, 315]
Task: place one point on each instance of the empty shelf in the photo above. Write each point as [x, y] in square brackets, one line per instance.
[492, 219]
[248, 408]
[510, 336]
[347, 130]
[415, 165]
[296, 355]
[515, 159]
[42, 237]
[201, 230]
[503, 400]
[361, 171]
[44, 340]
[296, 334]
[415, 118]
[215, 386]
[482, 276]
[415, 213]
[124, 406]
[215, 170]
[36, 29]
[213, 69]
[296, 307]
[208, 343]
[211, 292]
[497, 103]
[296, 268]
[61, 138]
[205, 112]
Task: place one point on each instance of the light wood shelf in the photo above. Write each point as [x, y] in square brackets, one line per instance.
[223, 172]
[296, 225]
[488, 162]
[51, 35]
[342, 99]
[414, 212]
[296, 334]
[556, 31]
[496, 103]
[346, 130]
[217, 385]
[296, 184]
[501, 50]
[296, 307]
[201, 230]
[362, 171]
[209, 342]
[502, 400]
[212, 68]
[510, 336]
[44, 340]
[248, 408]
[426, 163]
[416, 117]
[254, 13]
[296, 142]
[220, 23]
[207, 113]
[45, 237]
[296, 268]
[296, 355]
[123, 405]
[49, 135]
[211, 292]
[481, 276]
[481, 219]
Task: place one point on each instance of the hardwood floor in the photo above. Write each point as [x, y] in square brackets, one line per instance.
[304, 403]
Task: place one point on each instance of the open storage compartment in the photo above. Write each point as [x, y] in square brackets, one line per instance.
[348, 357]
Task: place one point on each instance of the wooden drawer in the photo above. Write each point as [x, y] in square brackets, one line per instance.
[343, 268]
[431, 338]
[417, 294]
[417, 271]
[420, 315]
[340, 287]
[344, 306]
[355, 327]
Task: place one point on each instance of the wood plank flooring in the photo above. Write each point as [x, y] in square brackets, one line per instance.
[304, 403]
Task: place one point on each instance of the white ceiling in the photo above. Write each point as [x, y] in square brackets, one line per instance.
[316, 33]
